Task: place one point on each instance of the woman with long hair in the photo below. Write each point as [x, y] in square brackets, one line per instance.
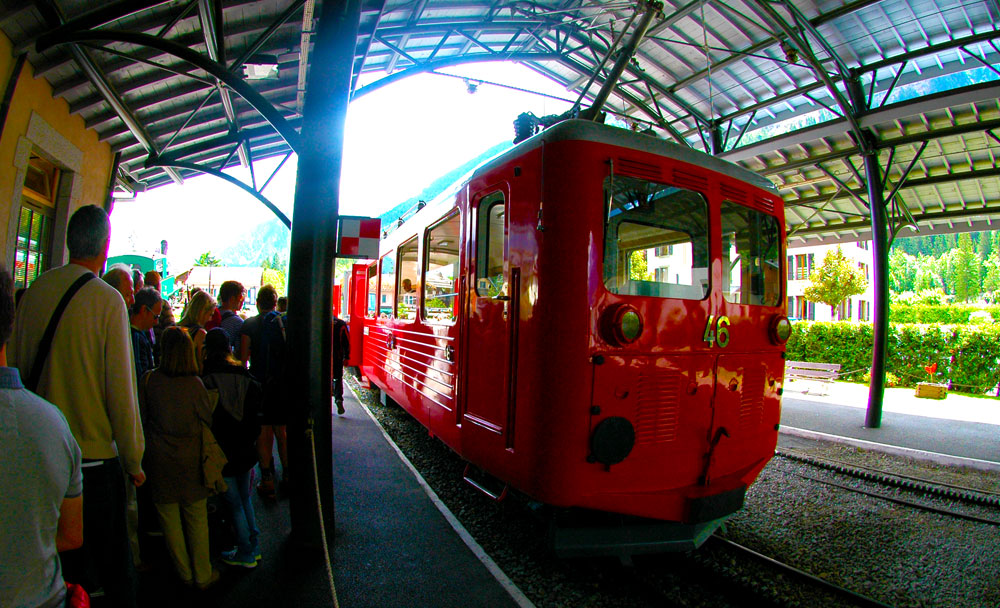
[236, 425]
[198, 312]
[174, 404]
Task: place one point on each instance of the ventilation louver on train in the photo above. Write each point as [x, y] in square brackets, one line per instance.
[658, 405]
[690, 180]
[764, 205]
[733, 194]
[637, 168]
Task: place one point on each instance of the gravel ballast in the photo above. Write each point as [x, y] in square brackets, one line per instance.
[893, 553]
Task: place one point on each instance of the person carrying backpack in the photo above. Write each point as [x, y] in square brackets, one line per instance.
[262, 343]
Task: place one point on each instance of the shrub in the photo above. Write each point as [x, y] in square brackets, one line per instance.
[966, 355]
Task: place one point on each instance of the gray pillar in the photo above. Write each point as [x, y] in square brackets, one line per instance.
[880, 277]
[317, 198]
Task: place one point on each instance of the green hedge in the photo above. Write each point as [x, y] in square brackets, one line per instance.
[966, 355]
[938, 313]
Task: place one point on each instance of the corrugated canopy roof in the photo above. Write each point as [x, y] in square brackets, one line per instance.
[793, 90]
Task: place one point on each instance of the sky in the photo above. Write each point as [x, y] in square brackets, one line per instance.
[398, 140]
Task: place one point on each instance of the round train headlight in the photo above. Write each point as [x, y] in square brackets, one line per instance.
[781, 330]
[622, 325]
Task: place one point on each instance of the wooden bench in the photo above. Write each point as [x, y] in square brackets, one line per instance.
[821, 373]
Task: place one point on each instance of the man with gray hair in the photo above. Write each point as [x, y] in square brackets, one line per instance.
[86, 369]
[119, 276]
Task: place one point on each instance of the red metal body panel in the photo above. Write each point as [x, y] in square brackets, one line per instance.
[531, 377]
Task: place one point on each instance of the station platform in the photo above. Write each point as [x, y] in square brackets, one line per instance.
[393, 545]
[956, 431]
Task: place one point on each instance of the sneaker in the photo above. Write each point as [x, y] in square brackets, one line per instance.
[232, 559]
[266, 485]
[211, 581]
[340, 408]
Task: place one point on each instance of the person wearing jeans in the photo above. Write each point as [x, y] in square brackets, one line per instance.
[236, 426]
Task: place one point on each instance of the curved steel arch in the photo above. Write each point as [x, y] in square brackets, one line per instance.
[252, 97]
[180, 164]
[434, 64]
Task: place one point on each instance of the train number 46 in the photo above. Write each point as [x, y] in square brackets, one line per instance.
[717, 331]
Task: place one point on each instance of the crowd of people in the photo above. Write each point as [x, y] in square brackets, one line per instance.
[109, 411]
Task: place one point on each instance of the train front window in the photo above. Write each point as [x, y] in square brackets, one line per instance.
[441, 270]
[409, 279]
[751, 256]
[656, 240]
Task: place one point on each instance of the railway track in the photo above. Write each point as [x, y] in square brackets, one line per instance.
[926, 489]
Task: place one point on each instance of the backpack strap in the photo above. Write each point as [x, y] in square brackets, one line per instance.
[46, 344]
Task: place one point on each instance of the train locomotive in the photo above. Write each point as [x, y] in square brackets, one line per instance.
[596, 319]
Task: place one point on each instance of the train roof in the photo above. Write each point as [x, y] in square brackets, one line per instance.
[585, 130]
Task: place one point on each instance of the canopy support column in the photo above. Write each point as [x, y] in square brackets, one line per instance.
[317, 200]
[880, 278]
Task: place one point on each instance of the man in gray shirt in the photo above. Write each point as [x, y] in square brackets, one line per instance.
[41, 505]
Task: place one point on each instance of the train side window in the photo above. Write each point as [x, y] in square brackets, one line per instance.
[751, 256]
[407, 292]
[387, 287]
[441, 270]
[656, 240]
[490, 239]
[372, 309]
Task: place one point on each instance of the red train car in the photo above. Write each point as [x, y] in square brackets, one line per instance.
[596, 318]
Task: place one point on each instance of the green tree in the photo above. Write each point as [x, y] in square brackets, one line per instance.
[965, 270]
[207, 259]
[902, 271]
[638, 267]
[991, 280]
[837, 279]
[275, 278]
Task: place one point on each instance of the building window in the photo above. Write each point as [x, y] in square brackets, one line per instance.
[33, 247]
[34, 244]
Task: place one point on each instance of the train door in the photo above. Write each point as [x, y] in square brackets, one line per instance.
[487, 324]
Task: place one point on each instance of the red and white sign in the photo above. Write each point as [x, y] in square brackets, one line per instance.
[358, 237]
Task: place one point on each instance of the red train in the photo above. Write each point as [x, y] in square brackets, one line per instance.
[595, 318]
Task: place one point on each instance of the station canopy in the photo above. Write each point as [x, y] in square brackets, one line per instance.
[797, 91]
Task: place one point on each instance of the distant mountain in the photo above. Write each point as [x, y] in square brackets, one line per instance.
[263, 243]
[272, 238]
[444, 182]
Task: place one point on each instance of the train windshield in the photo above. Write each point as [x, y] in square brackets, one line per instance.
[751, 253]
[656, 240]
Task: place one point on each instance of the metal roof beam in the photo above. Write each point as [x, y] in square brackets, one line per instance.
[93, 19]
[232, 180]
[252, 97]
[885, 115]
[210, 16]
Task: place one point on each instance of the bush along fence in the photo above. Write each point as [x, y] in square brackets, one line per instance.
[939, 313]
[967, 356]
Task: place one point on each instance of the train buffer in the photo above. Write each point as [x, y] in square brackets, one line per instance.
[818, 375]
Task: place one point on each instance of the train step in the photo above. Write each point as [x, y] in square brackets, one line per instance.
[490, 486]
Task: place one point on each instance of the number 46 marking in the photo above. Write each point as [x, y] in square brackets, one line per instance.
[717, 331]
